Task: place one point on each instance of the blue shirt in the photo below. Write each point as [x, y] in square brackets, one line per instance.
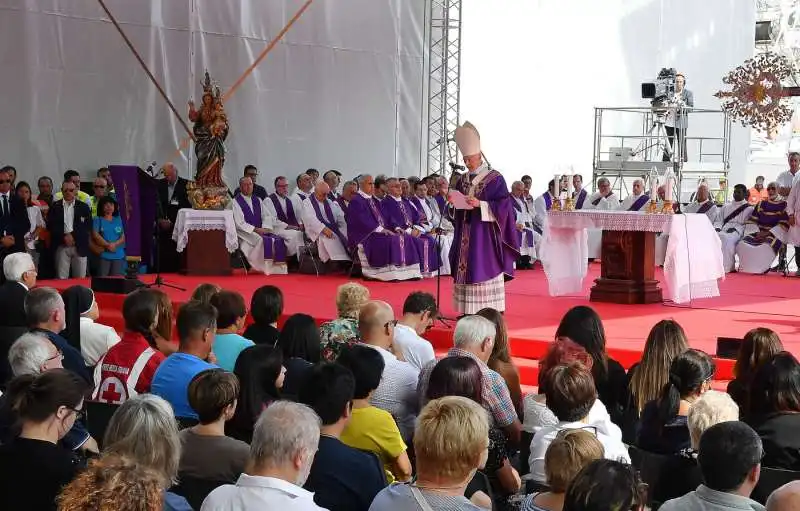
[343, 478]
[227, 348]
[111, 231]
[172, 379]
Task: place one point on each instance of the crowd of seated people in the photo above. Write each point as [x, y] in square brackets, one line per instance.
[360, 414]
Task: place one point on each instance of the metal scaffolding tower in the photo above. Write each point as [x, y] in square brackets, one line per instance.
[444, 81]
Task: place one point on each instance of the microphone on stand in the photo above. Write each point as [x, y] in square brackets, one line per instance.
[454, 167]
[150, 168]
[443, 139]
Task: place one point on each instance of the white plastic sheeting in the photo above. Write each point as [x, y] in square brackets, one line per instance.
[533, 71]
[342, 90]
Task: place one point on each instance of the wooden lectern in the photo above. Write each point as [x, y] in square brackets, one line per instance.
[627, 272]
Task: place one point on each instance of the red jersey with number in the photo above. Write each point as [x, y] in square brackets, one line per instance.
[126, 370]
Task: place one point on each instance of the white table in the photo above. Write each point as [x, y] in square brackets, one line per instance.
[694, 255]
[205, 220]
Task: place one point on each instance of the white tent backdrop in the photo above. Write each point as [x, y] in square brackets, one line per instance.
[533, 71]
[343, 90]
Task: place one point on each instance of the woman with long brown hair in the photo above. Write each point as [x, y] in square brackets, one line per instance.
[500, 360]
[665, 341]
[759, 346]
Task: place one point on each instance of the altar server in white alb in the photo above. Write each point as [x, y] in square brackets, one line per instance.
[325, 224]
[529, 239]
[433, 223]
[637, 200]
[730, 225]
[265, 251]
[541, 205]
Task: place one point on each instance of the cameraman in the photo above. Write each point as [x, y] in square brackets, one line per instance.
[677, 122]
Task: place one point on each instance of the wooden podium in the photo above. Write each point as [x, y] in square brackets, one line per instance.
[627, 272]
[206, 254]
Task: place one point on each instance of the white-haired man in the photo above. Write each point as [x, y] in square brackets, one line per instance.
[34, 354]
[173, 197]
[20, 273]
[285, 439]
[265, 251]
[604, 198]
[637, 199]
[325, 224]
[474, 338]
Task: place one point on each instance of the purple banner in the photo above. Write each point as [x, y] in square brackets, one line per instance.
[137, 195]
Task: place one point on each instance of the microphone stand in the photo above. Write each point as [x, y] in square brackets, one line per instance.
[160, 214]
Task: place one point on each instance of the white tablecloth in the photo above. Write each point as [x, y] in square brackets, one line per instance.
[202, 220]
[694, 255]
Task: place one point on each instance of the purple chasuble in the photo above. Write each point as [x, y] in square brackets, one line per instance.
[548, 200]
[380, 248]
[330, 224]
[423, 218]
[483, 250]
[639, 203]
[766, 215]
[401, 215]
[441, 201]
[274, 246]
[581, 199]
[288, 216]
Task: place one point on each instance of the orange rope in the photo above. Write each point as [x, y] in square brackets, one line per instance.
[185, 142]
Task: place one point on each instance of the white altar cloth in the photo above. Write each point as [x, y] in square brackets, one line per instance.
[694, 255]
[205, 220]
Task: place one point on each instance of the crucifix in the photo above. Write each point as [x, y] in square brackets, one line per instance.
[757, 90]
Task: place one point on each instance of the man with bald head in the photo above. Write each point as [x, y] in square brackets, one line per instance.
[397, 392]
[349, 189]
[264, 249]
[325, 224]
[703, 204]
[403, 218]
[785, 498]
[637, 200]
[529, 239]
[173, 197]
[383, 253]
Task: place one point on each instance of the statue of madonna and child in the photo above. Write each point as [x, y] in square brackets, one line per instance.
[208, 191]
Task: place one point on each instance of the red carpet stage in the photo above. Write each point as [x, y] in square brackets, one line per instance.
[747, 301]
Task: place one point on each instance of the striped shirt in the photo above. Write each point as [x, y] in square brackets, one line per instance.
[397, 392]
[496, 398]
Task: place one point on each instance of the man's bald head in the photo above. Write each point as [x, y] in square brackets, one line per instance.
[321, 190]
[376, 323]
[785, 498]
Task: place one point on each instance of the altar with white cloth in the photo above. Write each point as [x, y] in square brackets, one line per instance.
[692, 268]
[206, 237]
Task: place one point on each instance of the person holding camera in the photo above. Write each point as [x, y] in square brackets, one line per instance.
[677, 121]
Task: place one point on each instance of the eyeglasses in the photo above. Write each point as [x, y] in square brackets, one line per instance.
[58, 356]
[79, 414]
[392, 323]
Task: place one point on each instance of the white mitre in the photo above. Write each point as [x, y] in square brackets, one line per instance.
[468, 139]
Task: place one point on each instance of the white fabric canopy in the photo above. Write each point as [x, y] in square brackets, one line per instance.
[343, 90]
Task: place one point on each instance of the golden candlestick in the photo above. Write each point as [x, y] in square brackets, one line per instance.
[667, 209]
[556, 205]
[569, 204]
[652, 207]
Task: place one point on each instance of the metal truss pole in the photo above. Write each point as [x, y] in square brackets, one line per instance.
[444, 82]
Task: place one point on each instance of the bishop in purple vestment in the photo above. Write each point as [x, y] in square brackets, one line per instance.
[384, 255]
[402, 218]
[486, 241]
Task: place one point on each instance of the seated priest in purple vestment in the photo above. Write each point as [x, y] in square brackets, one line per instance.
[637, 200]
[325, 224]
[486, 240]
[287, 215]
[349, 189]
[401, 217]
[764, 233]
[265, 251]
[431, 219]
[383, 254]
[529, 239]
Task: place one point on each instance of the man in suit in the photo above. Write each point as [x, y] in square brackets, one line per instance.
[14, 221]
[173, 197]
[20, 273]
[676, 124]
[70, 225]
[259, 191]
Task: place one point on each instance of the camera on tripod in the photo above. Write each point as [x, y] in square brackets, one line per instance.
[661, 91]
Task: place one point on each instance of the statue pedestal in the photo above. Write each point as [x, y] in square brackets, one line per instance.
[206, 254]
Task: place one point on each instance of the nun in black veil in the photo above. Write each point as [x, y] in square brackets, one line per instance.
[83, 333]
